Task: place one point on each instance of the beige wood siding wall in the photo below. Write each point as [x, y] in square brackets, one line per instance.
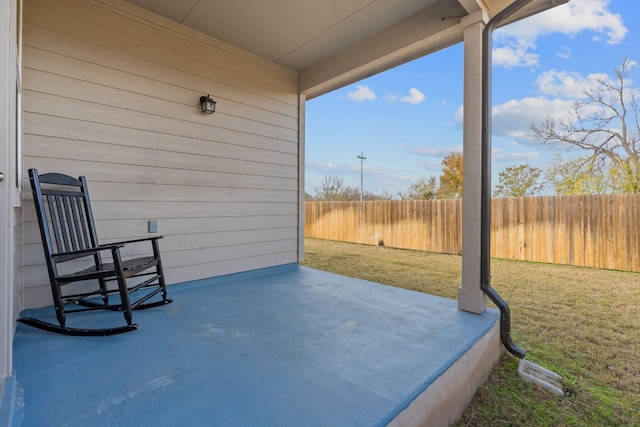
[111, 92]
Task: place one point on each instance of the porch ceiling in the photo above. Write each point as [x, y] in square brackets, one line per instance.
[323, 39]
[296, 33]
[332, 43]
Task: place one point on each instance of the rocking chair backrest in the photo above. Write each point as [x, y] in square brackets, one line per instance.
[64, 215]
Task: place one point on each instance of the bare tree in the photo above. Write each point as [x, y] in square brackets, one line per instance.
[333, 188]
[605, 122]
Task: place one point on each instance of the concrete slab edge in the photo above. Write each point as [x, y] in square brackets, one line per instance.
[446, 399]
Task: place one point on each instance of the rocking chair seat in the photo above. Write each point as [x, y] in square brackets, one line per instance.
[129, 267]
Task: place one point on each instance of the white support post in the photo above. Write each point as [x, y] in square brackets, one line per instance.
[470, 296]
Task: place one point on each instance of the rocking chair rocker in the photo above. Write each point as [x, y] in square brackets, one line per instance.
[69, 236]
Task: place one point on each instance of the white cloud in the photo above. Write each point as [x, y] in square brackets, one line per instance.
[415, 97]
[391, 97]
[433, 165]
[499, 155]
[320, 166]
[436, 151]
[564, 53]
[514, 117]
[361, 94]
[458, 117]
[515, 54]
[568, 84]
[515, 42]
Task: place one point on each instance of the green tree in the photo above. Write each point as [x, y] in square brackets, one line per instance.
[606, 122]
[625, 180]
[451, 178]
[582, 175]
[423, 189]
[519, 181]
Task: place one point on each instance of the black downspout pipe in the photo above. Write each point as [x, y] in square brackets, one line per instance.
[485, 196]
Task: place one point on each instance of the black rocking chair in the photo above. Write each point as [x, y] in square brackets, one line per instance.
[69, 236]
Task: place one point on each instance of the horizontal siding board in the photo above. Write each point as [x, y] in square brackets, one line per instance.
[229, 224]
[108, 192]
[37, 296]
[228, 238]
[133, 156]
[122, 229]
[228, 146]
[105, 172]
[121, 210]
[230, 252]
[219, 268]
[198, 124]
[134, 193]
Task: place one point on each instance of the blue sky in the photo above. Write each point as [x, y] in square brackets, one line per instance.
[408, 119]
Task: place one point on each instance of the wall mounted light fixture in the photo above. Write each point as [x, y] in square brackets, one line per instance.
[208, 105]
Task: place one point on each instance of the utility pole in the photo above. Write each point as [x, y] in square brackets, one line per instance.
[362, 158]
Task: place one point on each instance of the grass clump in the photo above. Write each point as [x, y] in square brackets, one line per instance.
[582, 323]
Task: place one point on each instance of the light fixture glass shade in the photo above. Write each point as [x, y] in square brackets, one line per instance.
[208, 105]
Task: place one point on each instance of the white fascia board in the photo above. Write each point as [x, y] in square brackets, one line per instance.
[410, 39]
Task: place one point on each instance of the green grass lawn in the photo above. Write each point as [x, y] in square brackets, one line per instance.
[582, 323]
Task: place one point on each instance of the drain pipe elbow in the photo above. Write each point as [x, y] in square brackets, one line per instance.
[505, 323]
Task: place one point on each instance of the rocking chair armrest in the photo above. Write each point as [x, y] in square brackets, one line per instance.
[89, 251]
[143, 239]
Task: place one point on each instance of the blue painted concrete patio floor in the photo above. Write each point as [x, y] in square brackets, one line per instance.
[295, 346]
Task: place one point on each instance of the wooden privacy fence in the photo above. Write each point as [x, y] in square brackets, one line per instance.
[591, 230]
